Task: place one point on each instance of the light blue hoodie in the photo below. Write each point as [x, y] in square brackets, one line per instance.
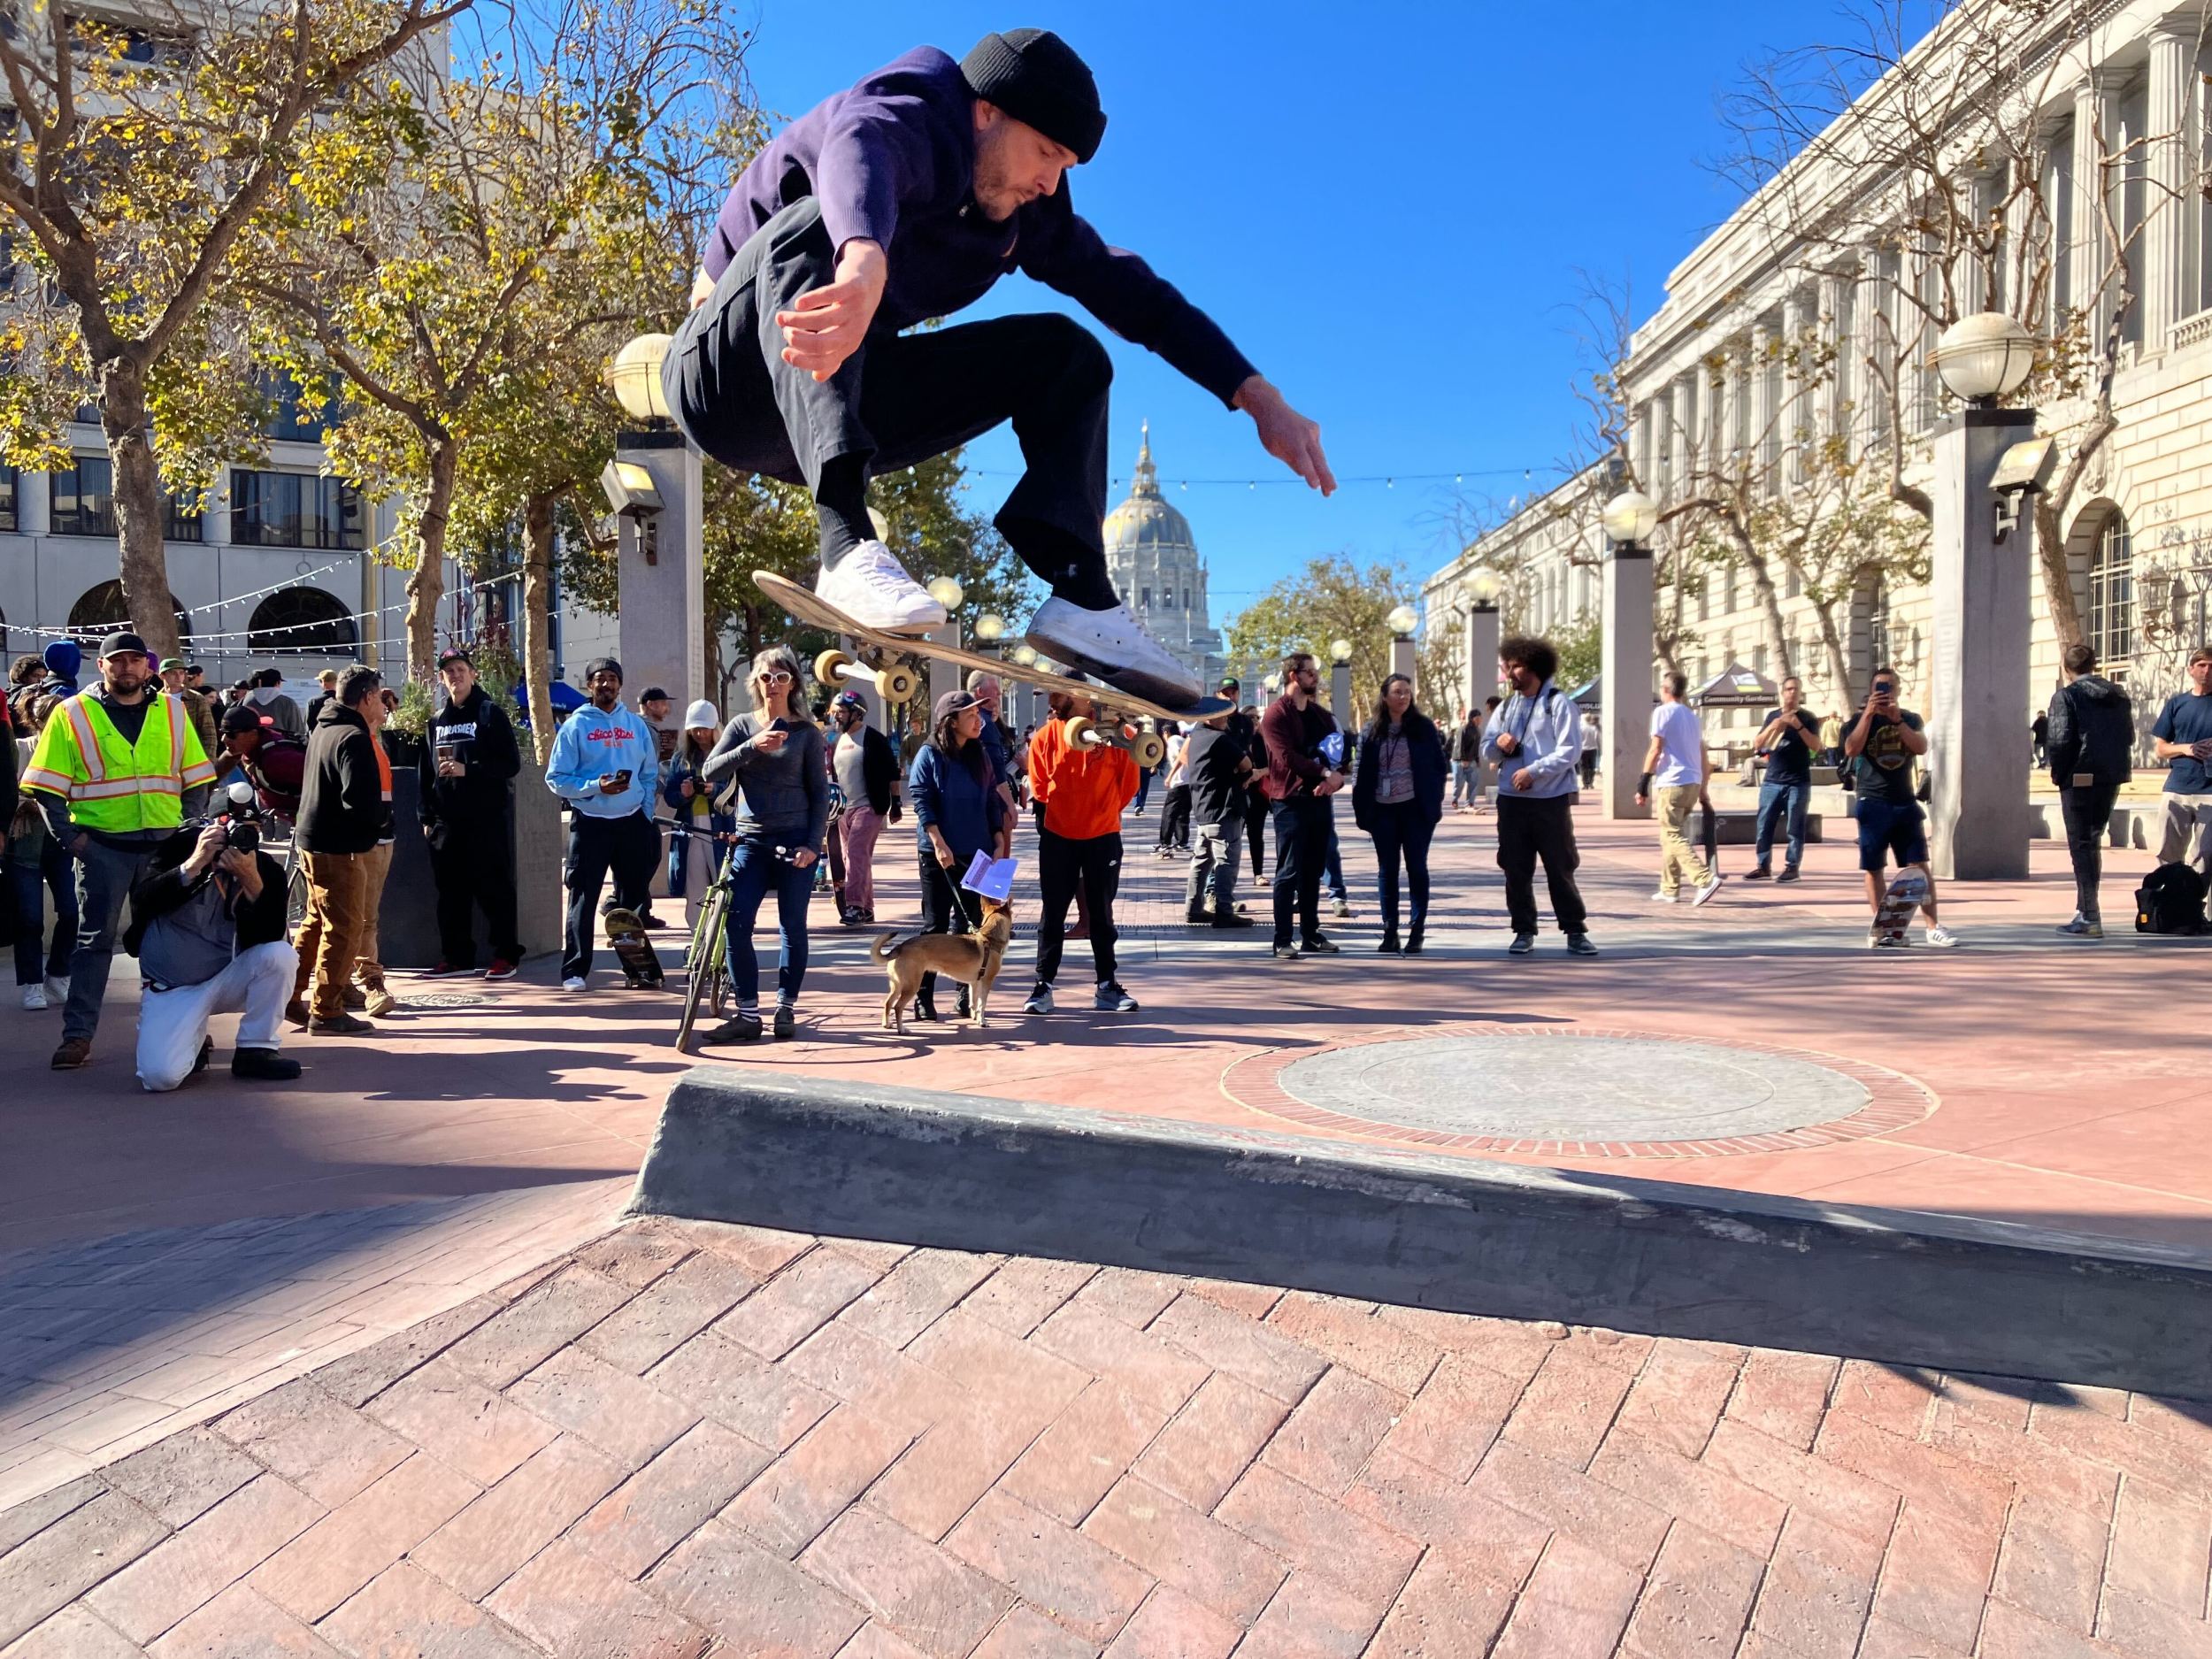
[592, 744]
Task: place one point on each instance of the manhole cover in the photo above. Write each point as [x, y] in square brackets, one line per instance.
[1611, 1094]
[443, 999]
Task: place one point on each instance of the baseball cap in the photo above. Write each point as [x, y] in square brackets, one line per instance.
[652, 694]
[454, 654]
[951, 702]
[121, 643]
[244, 719]
[1230, 682]
[168, 663]
[599, 664]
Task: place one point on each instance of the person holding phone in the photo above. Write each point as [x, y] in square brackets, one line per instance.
[605, 764]
[775, 758]
[2183, 738]
[1881, 746]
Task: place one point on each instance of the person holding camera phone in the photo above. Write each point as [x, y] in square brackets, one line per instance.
[606, 767]
[1882, 745]
[208, 930]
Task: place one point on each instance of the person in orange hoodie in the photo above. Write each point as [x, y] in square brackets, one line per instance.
[1082, 792]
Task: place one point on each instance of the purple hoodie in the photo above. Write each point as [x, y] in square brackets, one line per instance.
[894, 160]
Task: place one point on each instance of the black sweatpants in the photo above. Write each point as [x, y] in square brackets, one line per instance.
[627, 848]
[473, 863]
[944, 909]
[1529, 830]
[1255, 815]
[901, 399]
[2086, 809]
[1175, 817]
[1301, 848]
[1061, 865]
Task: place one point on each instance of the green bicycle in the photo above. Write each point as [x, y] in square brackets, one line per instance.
[707, 958]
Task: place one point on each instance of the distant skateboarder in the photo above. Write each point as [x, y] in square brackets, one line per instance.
[905, 198]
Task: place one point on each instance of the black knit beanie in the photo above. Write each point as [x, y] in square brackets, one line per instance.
[1035, 76]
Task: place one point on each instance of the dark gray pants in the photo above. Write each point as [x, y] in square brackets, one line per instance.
[901, 399]
[1213, 865]
[2086, 809]
[105, 875]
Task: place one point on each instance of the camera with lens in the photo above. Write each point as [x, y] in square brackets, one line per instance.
[241, 824]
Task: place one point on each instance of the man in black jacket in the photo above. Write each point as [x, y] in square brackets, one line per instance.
[208, 930]
[2090, 747]
[1217, 765]
[343, 817]
[466, 777]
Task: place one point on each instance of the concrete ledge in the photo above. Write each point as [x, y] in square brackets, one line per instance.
[958, 1171]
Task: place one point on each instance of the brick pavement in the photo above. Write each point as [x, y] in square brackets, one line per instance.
[686, 1438]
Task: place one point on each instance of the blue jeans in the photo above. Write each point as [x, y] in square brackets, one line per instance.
[1775, 799]
[755, 868]
[33, 881]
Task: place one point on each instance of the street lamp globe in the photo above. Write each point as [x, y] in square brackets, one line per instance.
[946, 592]
[1985, 357]
[1481, 587]
[635, 377]
[1340, 650]
[1401, 621]
[1630, 516]
[1025, 656]
[990, 627]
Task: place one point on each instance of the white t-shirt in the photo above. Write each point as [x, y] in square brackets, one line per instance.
[1681, 746]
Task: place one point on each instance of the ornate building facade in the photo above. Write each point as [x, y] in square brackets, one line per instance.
[1155, 569]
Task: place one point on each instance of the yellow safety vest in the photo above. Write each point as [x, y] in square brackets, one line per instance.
[111, 785]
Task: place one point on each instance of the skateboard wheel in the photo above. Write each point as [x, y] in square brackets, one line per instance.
[1083, 733]
[896, 683]
[1147, 750]
[830, 666]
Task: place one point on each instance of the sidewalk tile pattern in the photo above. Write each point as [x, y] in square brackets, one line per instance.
[686, 1439]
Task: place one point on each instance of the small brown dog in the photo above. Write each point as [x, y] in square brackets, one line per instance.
[972, 958]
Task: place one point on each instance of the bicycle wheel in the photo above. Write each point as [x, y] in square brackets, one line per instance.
[703, 968]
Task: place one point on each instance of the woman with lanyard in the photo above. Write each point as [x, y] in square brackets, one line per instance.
[958, 812]
[775, 756]
[696, 812]
[1398, 798]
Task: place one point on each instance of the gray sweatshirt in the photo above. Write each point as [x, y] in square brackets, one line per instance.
[785, 793]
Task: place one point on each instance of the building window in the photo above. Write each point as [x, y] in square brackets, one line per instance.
[301, 622]
[293, 509]
[82, 502]
[1877, 627]
[10, 512]
[1148, 599]
[101, 611]
[2112, 594]
[287, 419]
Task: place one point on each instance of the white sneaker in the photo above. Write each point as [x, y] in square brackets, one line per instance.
[1707, 890]
[1664, 897]
[58, 988]
[35, 998]
[574, 982]
[1110, 644]
[873, 588]
[1942, 938]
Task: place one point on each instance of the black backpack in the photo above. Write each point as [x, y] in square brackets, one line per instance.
[2170, 901]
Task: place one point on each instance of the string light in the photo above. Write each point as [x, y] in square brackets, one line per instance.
[1388, 479]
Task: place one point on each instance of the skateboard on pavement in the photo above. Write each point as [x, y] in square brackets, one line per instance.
[1906, 893]
[896, 682]
[625, 937]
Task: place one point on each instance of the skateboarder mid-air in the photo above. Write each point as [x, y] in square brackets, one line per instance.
[902, 199]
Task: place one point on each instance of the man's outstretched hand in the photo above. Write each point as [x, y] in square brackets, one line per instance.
[827, 325]
[1286, 434]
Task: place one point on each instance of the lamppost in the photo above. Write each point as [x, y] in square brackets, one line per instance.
[1628, 656]
[653, 485]
[1988, 461]
[1401, 621]
[1479, 672]
[1340, 680]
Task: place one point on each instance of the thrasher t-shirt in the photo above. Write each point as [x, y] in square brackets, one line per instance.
[1886, 763]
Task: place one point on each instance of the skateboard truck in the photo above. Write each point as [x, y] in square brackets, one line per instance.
[1146, 748]
[894, 682]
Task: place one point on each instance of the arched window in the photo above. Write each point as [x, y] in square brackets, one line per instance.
[101, 611]
[301, 622]
[2112, 594]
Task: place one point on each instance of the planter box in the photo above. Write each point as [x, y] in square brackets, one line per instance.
[407, 921]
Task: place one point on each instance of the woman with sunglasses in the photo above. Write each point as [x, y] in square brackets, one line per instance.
[776, 756]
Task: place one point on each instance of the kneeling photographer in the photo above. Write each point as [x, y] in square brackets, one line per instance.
[208, 930]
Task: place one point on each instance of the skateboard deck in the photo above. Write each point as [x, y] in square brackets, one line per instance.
[625, 937]
[1906, 893]
[1120, 707]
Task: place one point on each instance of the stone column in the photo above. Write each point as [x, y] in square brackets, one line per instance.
[1977, 820]
[1402, 659]
[865, 689]
[1340, 694]
[2093, 138]
[1675, 435]
[1844, 373]
[1482, 654]
[943, 676]
[1762, 445]
[661, 631]
[2169, 204]
[1791, 414]
[1625, 715]
[1870, 303]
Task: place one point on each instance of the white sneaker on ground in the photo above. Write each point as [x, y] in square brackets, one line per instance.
[1707, 890]
[1943, 938]
[871, 586]
[1664, 897]
[35, 998]
[1110, 644]
[574, 982]
[58, 987]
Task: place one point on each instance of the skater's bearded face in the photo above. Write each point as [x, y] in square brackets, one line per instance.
[606, 690]
[1014, 164]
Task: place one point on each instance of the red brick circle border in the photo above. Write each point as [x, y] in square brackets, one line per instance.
[1893, 1100]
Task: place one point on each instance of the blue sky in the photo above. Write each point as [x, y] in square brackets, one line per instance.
[1388, 207]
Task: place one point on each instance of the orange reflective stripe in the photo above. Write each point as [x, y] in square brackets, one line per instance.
[87, 741]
